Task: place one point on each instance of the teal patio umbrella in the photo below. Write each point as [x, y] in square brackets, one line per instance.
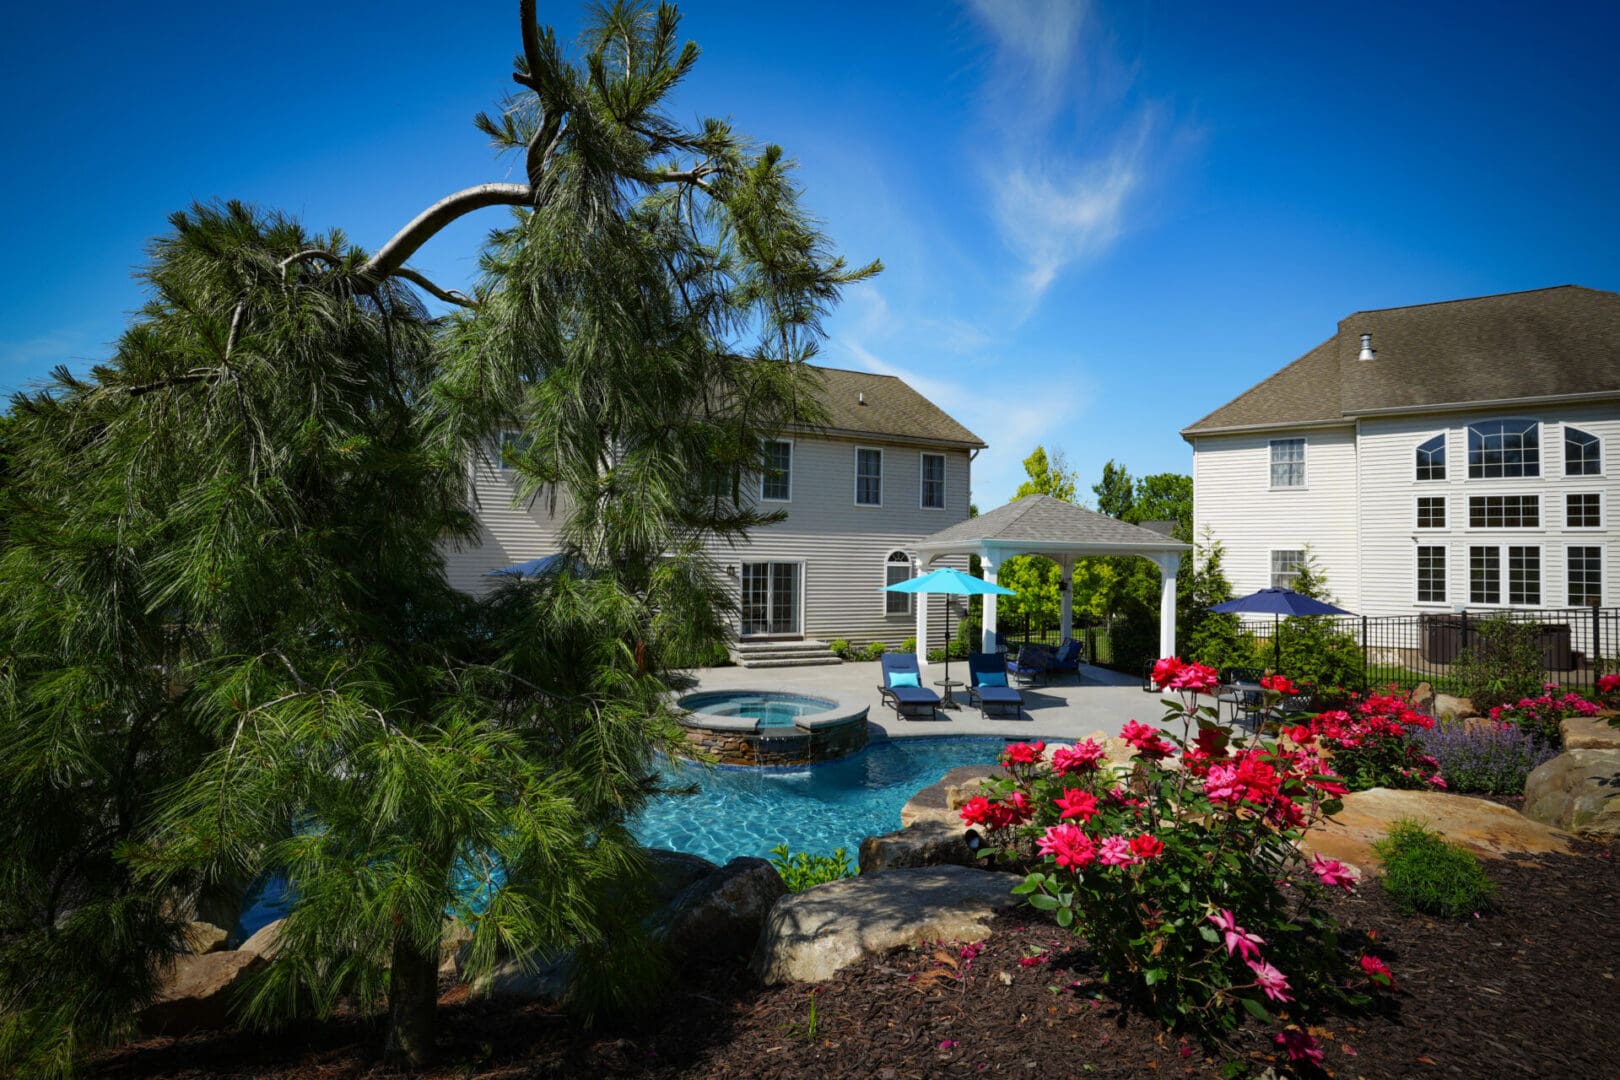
[950, 583]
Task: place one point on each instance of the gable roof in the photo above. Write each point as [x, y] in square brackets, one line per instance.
[1044, 522]
[865, 403]
[1488, 350]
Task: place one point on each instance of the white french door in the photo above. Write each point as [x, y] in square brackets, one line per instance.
[770, 599]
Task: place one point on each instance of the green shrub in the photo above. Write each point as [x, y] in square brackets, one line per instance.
[1133, 640]
[840, 648]
[875, 650]
[936, 656]
[909, 645]
[1501, 665]
[1426, 873]
[710, 654]
[1316, 655]
[801, 870]
[969, 635]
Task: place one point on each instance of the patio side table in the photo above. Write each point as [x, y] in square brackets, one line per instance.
[947, 685]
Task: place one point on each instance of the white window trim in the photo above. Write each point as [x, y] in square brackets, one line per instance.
[911, 598]
[1563, 461]
[1603, 573]
[1304, 464]
[856, 466]
[793, 454]
[1431, 530]
[1445, 443]
[922, 480]
[1445, 576]
[1500, 530]
[1505, 570]
[1272, 562]
[1603, 513]
[1541, 444]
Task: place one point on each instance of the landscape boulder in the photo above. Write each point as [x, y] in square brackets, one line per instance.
[1578, 790]
[204, 937]
[719, 916]
[1489, 829]
[812, 935]
[1589, 733]
[927, 843]
[1422, 698]
[196, 993]
[941, 802]
[264, 941]
[1445, 705]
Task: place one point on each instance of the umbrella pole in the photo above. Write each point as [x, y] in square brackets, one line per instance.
[947, 643]
[1276, 643]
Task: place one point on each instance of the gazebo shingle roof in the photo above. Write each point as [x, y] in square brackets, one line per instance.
[1045, 522]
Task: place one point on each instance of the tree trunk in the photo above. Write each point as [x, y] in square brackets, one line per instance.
[413, 994]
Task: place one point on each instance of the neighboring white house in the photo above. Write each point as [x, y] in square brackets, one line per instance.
[889, 468]
[1458, 454]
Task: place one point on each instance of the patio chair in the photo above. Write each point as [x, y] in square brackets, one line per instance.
[902, 688]
[1032, 664]
[1066, 661]
[1240, 688]
[987, 683]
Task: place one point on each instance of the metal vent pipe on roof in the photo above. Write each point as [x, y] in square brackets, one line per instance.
[860, 397]
[1366, 347]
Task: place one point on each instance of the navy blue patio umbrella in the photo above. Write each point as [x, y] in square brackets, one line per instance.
[533, 568]
[1277, 603]
[951, 582]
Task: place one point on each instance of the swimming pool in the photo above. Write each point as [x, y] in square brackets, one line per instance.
[747, 811]
[769, 708]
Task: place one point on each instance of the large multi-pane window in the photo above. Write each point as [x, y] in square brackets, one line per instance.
[1431, 575]
[1585, 576]
[1524, 575]
[1504, 511]
[1287, 463]
[896, 569]
[868, 477]
[1583, 453]
[1431, 512]
[776, 484]
[933, 481]
[1504, 448]
[1484, 575]
[1285, 567]
[513, 445]
[1431, 459]
[1583, 510]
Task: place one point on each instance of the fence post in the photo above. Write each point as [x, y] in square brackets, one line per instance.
[1364, 682]
[1595, 664]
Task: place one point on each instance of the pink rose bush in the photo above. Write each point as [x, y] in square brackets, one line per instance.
[1374, 742]
[1543, 716]
[1181, 866]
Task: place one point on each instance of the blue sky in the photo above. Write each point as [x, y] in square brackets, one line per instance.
[1099, 220]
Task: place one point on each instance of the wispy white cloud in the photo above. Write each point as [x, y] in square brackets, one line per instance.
[25, 362]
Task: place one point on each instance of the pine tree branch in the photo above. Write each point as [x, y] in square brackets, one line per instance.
[405, 243]
[449, 296]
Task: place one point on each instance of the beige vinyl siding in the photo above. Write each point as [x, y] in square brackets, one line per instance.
[1234, 500]
[1390, 490]
[841, 547]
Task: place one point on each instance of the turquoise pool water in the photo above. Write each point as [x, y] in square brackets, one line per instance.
[748, 811]
[770, 709]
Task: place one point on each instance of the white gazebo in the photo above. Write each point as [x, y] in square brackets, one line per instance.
[1063, 532]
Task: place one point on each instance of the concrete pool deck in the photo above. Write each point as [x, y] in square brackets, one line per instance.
[1064, 711]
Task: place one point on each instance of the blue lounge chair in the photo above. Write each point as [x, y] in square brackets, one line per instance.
[1031, 664]
[1066, 661]
[987, 683]
[909, 695]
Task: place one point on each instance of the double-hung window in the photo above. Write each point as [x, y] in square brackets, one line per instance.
[1504, 448]
[1583, 510]
[1285, 567]
[1523, 574]
[868, 477]
[1484, 575]
[1287, 463]
[1585, 575]
[1504, 511]
[1583, 453]
[1431, 512]
[933, 482]
[776, 483]
[896, 569]
[1431, 574]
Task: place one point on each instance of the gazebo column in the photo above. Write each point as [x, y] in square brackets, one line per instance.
[921, 600]
[989, 564]
[1168, 566]
[1065, 598]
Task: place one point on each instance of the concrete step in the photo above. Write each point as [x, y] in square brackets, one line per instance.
[795, 661]
[764, 647]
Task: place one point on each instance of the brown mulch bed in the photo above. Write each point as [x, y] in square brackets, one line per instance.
[1527, 989]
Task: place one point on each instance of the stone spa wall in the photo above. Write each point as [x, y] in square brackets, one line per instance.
[778, 745]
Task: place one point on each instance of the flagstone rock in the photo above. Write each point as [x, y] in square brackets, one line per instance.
[1489, 829]
[1590, 733]
[812, 935]
[197, 992]
[204, 937]
[719, 916]
[927, 843]
[1445, 705]
[941, 802]
[265, 943]
[1578, 790]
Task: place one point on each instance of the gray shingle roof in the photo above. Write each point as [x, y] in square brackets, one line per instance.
[1043, 520]
[1537, 344]
[890, 408]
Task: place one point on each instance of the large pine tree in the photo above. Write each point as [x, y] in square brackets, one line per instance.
[230, 648]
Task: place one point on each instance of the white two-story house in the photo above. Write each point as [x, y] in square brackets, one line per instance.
[887, 469]
[1452, 455]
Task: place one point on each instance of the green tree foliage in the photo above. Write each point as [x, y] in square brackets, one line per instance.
[1208, 637]
[1502, 663]
[229, 645]
[1311, 580]
[1035, 577]
[1048, 474]
[1115, 491]
[1163, 497]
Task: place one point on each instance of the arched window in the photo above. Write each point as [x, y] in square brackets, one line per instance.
[1431, 459]
[1583, 453]
[896, 568]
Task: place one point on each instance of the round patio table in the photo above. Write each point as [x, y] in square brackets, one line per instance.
[946, 700]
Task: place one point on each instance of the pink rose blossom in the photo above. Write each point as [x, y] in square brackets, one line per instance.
[1301, 1046]
[1116, 851]
[1377, 971]
[1237, 938]
[1069, 846]
[1199, 678]
[1083, 757]
[1024, 753]
[1146, 846]
[1272, 981]
[1077, 804]
[1333, 872]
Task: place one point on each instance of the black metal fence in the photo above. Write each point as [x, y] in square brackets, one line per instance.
[1577, 644]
